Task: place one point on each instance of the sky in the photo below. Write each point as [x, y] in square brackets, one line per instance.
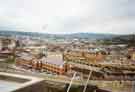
[68, 16]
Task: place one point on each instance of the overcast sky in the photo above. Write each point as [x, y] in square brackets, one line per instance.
[68, 16]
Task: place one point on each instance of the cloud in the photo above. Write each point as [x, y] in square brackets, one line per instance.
[68, 16]
[131, 8]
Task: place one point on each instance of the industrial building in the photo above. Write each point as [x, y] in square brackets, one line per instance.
[51, 63]
[84, 56]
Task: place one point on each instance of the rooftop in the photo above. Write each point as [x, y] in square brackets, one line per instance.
[11, 82]
[25, 56]
[54, 59]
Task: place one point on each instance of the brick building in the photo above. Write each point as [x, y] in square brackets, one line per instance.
[131, 53]
[24, 60]
[54, 63]
[51, 63]
[84, 56]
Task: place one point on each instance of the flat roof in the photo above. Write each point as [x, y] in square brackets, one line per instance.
[25, 56]
[11, 82]
[54, 59]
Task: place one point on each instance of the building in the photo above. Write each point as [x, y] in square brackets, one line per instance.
[7, 43]
[131, 54]
[84, 56]
[5, 54]
[54, 63]
[24, 60]
[28, 61]
[10, 82]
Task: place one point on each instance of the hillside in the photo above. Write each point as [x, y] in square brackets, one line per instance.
[58, 36]
[122, 39]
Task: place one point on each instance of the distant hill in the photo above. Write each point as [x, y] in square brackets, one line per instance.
[90, 36]
[122, 39]
[58, 36]
[13, 33]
